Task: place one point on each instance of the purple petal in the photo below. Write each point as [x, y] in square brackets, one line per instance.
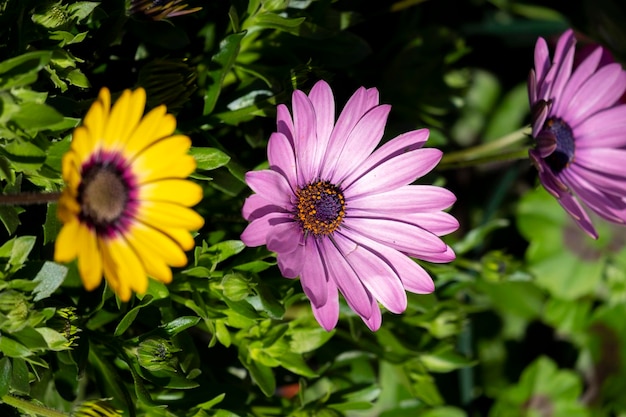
[272, 186]
[610, 207]
[321, 97]
[437, 258]
[256, 233]
[563, 75]
[404, 143]
[542, 59]
[358, 298]
[281, 157]
[407, 199]
[412, 276]
[439, 223]
[354, 109]
[601, 90]
[360, 143]
[284, 123]
[305, 136]
[395, 172]
[398, 234]
[327, 314]
[581, 74]
[376, 319]
[284, 237]
[376, 275]
[603, 160]
[612, 184]
[255, 207]
[603, 130]
[576, 211]
[290, 264]
[314, 277]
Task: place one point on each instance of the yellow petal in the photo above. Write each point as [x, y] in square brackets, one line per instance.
[65, 247]
[155, 266]
[89, 259]
[146, 239]
[183, 192]
[110, 272]
[125, 267]
[67, 207]
[82, 144]
[70, 170]
[154, 126]
[125, 115]
[170, 215]
[96, 118]
[182, 237]
[167, 158]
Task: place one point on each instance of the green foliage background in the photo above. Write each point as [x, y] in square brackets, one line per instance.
[527, 322]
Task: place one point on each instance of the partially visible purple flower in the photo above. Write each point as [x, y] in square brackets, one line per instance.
[579, 126]
[342, 215]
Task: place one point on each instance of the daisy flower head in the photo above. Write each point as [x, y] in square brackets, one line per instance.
[343, 216]
[579, 125]
[125, 206]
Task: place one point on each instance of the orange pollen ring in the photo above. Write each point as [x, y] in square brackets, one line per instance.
[321, 208]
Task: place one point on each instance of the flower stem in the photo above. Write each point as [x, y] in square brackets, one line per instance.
[497, 150]
[30, 407]
[22, 199]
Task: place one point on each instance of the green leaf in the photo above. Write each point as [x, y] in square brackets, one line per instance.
[130, 317]
[307, 339]
[221, 64]
[179, 324]
[220, 252]
[20, 381]
[12, 348]
[444, 412]
[209, 158]
[24, 155]
[262, 375]
[22, 70]
[50, 277]
[20, 249]
[6, 373]
[55, 340]
[52, 225]
[275, 21]
[445, 360]
[36, 116]
[9, 218]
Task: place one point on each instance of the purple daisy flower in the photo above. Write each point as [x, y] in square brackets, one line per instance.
[342, 216]
[579, 125]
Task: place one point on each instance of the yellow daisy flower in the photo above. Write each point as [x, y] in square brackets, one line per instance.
[125, 207]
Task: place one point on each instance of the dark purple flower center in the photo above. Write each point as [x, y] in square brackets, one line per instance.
[565, 147]
[106, 194]
[321, 208]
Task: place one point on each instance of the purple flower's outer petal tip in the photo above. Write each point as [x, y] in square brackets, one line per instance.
[327, 315]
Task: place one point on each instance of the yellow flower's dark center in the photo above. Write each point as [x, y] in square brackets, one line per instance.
[106, 195]
[321, 208]
[565, 147]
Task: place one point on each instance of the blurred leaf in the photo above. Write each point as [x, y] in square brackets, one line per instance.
[19, 378]
[130, 317]
[12, 348]
[209, 158]
[6, 372]
[22, 70]
[221, 64]
[49, 278]
[445, 360]
[24, 155]
[262, 375]
[179, 324]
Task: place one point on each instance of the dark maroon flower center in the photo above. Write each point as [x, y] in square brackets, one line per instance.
[565, 147]
[106, 195]
[321, 207]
